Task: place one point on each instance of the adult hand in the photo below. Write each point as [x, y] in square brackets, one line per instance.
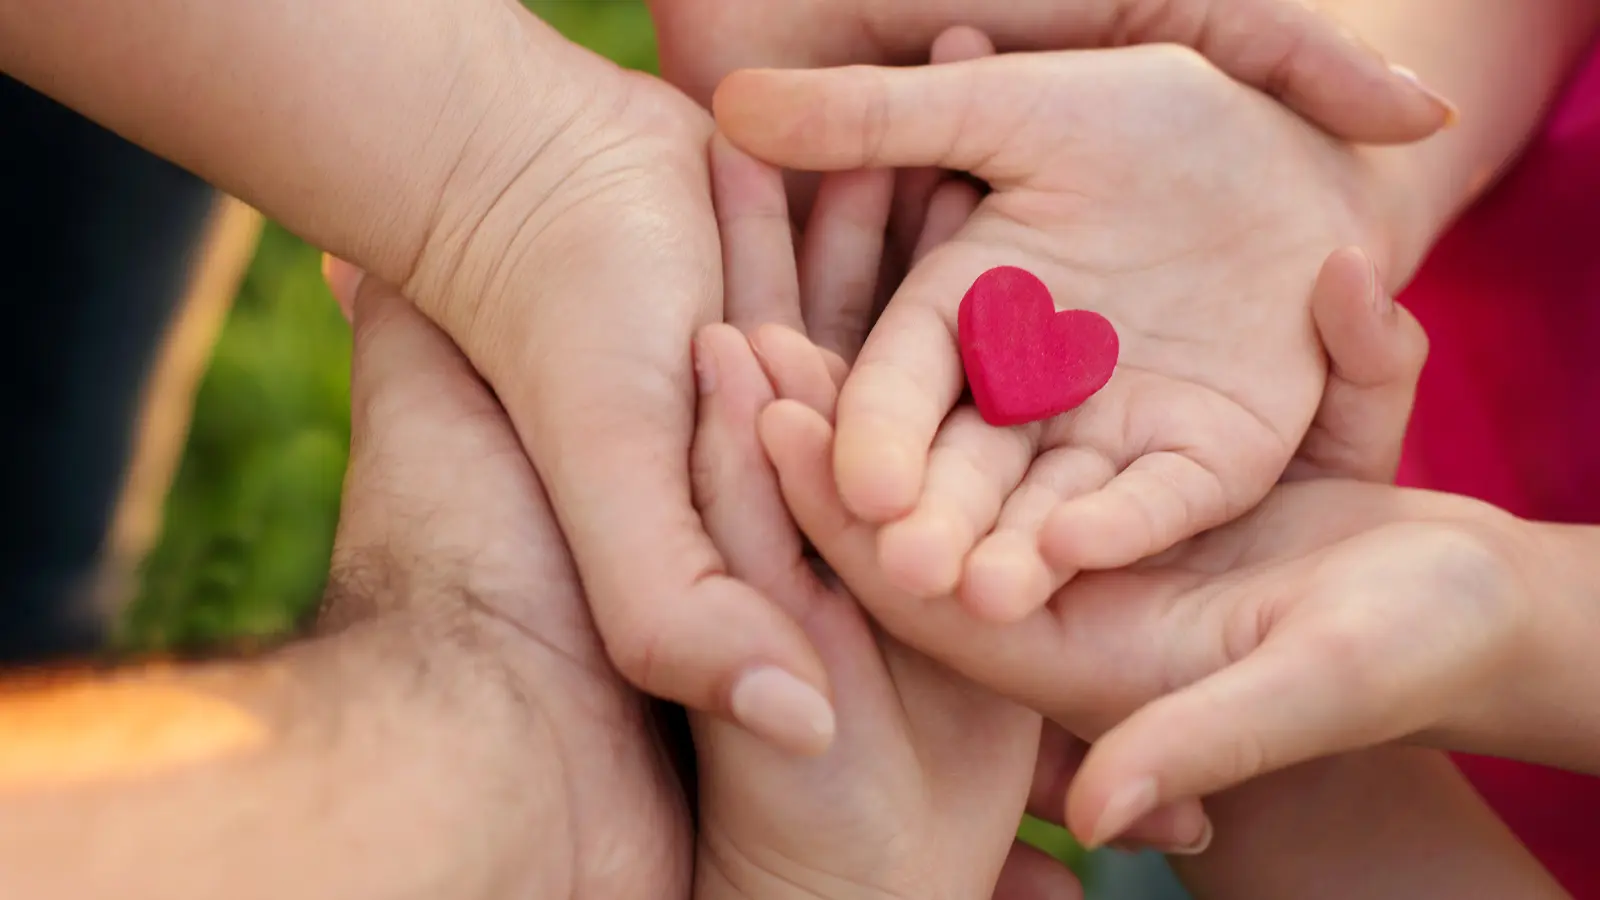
[737, 490]
[605, 817]
[1087, 666]
[1289, 49]
[1220, 372]
[1292, 50]
[546, 209]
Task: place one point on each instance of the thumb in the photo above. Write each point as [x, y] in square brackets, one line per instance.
[1283, 704]
[417, 409]
[871, 117]
[1376, 350]
[1297, 53]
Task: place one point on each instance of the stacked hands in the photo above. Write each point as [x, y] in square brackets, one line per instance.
[897, 627]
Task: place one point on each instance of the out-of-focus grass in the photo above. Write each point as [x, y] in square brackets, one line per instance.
[249, 525]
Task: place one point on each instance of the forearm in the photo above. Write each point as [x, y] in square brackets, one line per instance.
[1393, 822]
[359, 766]
[347, 120]
[1543, 707]
[1500, 63]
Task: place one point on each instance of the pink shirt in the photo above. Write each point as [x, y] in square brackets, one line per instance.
[1509, 405]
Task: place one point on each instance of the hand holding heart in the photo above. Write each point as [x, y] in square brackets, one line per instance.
[1025, 361]
[1194, 220]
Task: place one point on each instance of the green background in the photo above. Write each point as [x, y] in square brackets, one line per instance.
[249, 525]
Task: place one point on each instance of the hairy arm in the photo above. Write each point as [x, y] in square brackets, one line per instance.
[1394, 822]
[1501, 63]
[371, 763]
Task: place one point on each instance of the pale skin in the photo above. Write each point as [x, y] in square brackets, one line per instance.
[1220, 370]
[1287, 49]
[919, 793]
[453, 728]
[549, 212]
[1422, 188]
[1195, 221]
[1390, 822]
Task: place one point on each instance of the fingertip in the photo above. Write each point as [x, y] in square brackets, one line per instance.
[783, 710]
[959, 43]
[344, 282]
[921, 554]
[797, 368]
[1085, 533]
[879, 473]
[790, 431]
[724, 648]
[756, 108]
[1436, 110]
[1005, 579]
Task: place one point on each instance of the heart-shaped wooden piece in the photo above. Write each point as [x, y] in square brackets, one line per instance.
[1024, 360]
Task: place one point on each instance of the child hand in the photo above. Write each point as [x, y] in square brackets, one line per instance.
[1088, 667]
[1141, 183]
[921, 791]
[1337, 616]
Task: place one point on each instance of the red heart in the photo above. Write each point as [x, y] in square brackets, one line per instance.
[1025, 361]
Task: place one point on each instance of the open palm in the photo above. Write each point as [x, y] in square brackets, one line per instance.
[1141, 183]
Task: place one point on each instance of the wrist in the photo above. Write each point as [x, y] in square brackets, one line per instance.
[1403, 216]
[1542, 709]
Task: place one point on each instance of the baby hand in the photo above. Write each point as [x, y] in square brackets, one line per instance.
[1141, 183]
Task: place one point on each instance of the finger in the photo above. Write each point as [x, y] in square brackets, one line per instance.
[952, 204]
[1180, 828]
[1030, 874]
[961, 116]
[1007, 576]
[798, 369]
[842, 252]
[797, 441]
[1279, 706]
[1158, 500]
[344, 282]
[760, 277]
[915, 188]
[972, 468]
[410, 387]
[1376, 350]
[735, 488]
[900, 390]
[1297, 53]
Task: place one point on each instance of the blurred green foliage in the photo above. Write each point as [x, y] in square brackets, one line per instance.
[250, 521]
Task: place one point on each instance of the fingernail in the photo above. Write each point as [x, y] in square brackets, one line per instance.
[1451, 113]
[1195, 847]
[1126, 806]
[343, 278]
[705, 368]
[783, 710]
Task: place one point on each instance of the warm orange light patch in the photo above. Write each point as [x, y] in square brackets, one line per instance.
[64, 731]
